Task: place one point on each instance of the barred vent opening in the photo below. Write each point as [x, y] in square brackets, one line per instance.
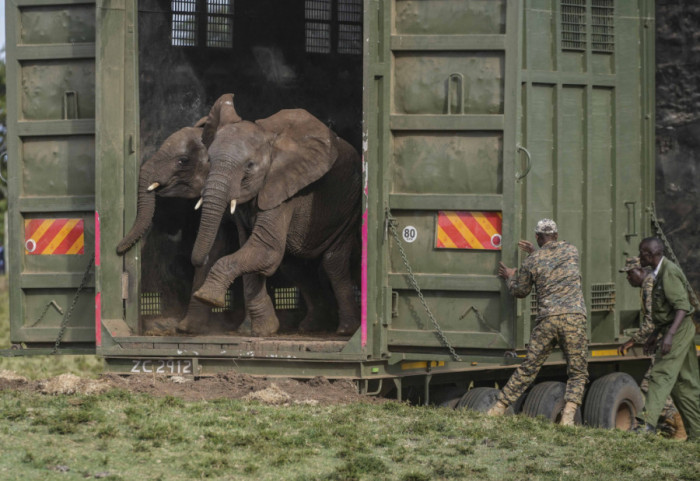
[602, 297]
[603, 28]
[286, 298]
[150, 304]
[350, 26]
[573, 24]
[318, 27]
[220, 23]
[184, 27]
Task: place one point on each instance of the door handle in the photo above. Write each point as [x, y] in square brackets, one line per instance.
[528, 165]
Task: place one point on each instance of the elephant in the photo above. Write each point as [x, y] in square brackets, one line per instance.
[297, 186]
[178, 170]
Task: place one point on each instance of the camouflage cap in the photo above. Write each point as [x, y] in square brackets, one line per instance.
[631, 263]
[546, 226]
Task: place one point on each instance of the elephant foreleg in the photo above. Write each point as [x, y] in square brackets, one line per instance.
[197, 317]
[259, 256]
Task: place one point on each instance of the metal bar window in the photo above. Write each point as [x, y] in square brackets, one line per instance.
[318, 27]
[573, 24]
[184, 23]
[603, 26]
[350, 27]
[220, 23]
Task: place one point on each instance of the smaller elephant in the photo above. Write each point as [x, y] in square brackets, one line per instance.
[298, 188]
[178, 170]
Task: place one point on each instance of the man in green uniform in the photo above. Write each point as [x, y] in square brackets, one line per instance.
[561, 318]
[638, 276]
[675, 369]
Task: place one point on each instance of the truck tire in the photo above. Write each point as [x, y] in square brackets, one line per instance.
[481, 399]
[613, 401]
[447, 396]
[547, 399]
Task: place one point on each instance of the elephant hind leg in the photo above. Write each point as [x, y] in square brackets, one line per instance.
[336, 263]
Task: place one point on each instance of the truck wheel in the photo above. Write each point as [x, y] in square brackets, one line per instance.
[547, 399]
[478, 399]
[447, 396]
[613, 401]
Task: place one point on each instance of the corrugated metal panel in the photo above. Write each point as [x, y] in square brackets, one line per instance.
[51, 112]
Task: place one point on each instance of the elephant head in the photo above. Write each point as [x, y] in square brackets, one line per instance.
[269, 161]
[178, 169]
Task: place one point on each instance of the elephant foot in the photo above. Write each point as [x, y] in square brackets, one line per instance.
[347, 327]
[311, 323]
[265, 326]
[212, 295]
[189, 325]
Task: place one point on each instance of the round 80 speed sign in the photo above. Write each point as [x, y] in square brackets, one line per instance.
[410, 234]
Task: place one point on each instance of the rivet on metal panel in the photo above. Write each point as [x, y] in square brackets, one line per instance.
[528, 166]
[70, 104]
[456, 79]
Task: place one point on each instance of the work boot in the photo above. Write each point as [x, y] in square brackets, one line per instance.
[567, 415]
[498, 409]
[643, 427]
[677, 422]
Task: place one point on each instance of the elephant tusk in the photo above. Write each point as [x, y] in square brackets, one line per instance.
[153, 186]
[233, 206]
[199, 204]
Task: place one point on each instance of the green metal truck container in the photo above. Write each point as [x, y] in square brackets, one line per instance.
[475, 119]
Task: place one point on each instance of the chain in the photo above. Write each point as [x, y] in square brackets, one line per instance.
[64, 322]
[669, 250]
[391, 221]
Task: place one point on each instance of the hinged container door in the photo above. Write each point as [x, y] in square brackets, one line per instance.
[450, 170]
[588, 124]
[51, 148]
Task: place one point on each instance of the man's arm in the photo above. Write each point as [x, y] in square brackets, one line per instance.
[519, 282]
[668, 338]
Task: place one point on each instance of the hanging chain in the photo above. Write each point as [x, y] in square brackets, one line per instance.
[64, 322]
[669, 250]
[391, 221]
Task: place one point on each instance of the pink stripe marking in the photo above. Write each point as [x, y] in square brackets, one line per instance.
[363, 282]
[98, 319]
[97, 239]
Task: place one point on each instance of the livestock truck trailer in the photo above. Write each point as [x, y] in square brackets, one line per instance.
[474, 119]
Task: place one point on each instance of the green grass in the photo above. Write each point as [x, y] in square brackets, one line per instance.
[124, 436]
[120, 435]
[40, 367]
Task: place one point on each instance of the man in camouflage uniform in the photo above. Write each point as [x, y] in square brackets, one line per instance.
[675, 369]
[638, 276]
[561, 318]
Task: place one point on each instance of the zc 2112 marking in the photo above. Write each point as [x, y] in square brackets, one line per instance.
[162, 366]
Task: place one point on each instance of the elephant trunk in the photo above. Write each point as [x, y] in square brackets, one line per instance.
[145, 208]
[215, 200]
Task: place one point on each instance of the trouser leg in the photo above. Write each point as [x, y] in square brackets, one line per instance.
[541, 343]
[665, 372]
[574, 344]
[686, 392]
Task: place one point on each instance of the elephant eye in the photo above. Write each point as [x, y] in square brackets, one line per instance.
[183, 160]
[250, 165]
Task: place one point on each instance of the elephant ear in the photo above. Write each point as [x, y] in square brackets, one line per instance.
[195, 148]
[222, 113]
[201, 122]
[303, 150]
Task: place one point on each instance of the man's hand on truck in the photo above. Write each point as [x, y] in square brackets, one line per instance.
[505, 271]
[623, 348]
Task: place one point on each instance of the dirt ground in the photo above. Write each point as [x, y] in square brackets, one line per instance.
[229, 385]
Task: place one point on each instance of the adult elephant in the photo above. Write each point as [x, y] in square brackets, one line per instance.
[298, 188]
